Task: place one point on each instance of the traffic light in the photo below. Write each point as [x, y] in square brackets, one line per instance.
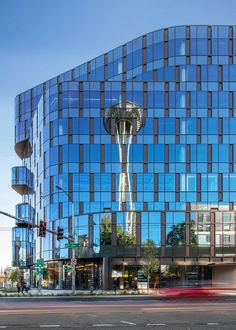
[60, 233]
[42, 228]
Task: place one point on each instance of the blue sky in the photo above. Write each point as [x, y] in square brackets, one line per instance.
[42, 38]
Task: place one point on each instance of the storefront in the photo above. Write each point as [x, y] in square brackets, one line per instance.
[89, 276]
[57, 275]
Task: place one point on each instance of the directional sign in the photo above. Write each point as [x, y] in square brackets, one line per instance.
[68, 268]
[39, 271]
[40, 262]
[39, 267]
[72, 245]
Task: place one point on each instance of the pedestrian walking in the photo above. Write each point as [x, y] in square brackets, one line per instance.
[18, 286]
[23, 287]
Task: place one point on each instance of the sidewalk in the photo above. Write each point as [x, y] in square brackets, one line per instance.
[161, 293]
[46, 292]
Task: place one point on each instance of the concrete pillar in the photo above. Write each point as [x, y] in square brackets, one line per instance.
[182, 272]
[224, 276]
[212, 238]
[60, 275]
[106, 274]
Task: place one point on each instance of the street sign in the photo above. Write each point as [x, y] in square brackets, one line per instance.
[72, 245]
[40, 262]
[39, 271]
[141, 276]
[67, 267]
[39, 267]
[73, 261]
[142, 280]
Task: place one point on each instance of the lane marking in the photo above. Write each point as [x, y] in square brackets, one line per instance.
[130, 323]
[212, 323]
[103, 325]
[151, 324]
[49, 326]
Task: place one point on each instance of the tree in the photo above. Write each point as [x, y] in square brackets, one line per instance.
[152, 264]
[123, 237]
[15, 275]
[177, 235]
[105, 230]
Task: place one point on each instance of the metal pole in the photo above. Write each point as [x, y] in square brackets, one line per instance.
[31, 224]
[73, 260]
[40, 257]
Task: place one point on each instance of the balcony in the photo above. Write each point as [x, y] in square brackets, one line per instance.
[22, 180]
[25, 212]
[23, 140]
[23, 148]
[22, 247]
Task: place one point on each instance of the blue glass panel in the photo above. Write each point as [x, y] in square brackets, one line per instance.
[158, 153]
[180, 47]
[170, 73]
[158, 50]
[159, 101]
[213, 72]
[202, 99]
[201, 46]
[232, 72]
[223, 99]
[223, 46]
[202, 153]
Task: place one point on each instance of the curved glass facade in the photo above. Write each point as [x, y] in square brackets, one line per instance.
[22, 247]
[143, 140]
[25, 212]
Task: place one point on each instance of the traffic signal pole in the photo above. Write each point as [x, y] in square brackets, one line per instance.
[73, 259]
[31, 224]
[70, 238]
[40, 257]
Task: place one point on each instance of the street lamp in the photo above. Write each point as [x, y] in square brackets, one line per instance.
[73, 260]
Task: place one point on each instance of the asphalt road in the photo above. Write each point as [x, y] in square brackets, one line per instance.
[117, 313]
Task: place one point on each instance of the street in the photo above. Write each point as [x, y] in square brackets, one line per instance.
[117, 313]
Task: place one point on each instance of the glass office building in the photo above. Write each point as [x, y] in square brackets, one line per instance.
[143, 140]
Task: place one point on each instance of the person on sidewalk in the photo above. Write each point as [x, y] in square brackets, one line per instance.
[18, 286]
[23, 287]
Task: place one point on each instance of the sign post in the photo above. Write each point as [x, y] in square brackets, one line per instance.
[39, 272]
